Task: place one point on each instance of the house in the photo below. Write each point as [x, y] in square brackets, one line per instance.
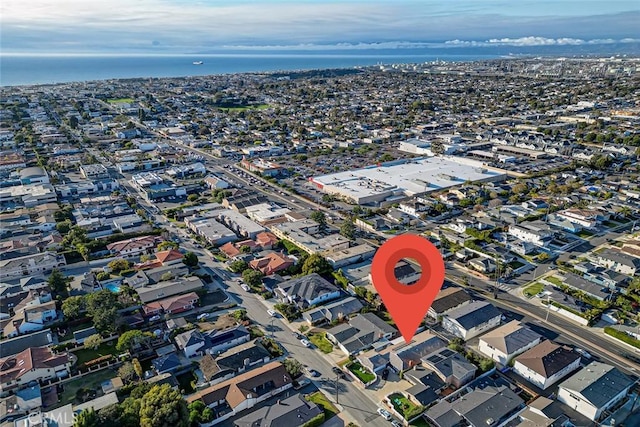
[236, 360]
[293, 411]
[172, 305]
[484, 403]
[31, 314]
[426, 385]
[483, 264]
[546, 363]
[167, 363]
[448, 299]
[170, 288]
[452, 367]
[195, 342]
[20, 343]
[32, 364]
[133, 247]
[583, 217]
[361, 332]
[30, 265]
[507, 341]
[307, 291]
[244, 391]
[333, 311]
[351, 255]
[471, 319]
[618, 261]
[272, 263]
[535, 232]
[594, 389]
[19, 404]
[405, 356]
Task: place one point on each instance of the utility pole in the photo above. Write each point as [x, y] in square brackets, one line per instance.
[546, 319]
[272, 319]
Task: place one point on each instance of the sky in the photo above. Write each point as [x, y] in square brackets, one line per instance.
[183, 26]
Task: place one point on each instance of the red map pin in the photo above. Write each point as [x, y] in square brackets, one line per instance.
[407, 304]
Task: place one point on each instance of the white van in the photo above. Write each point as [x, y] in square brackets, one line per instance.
[271, 313]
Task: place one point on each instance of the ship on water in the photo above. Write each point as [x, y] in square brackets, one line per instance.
[198, 62]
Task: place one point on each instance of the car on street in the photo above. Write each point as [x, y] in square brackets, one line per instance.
[313, 372]
[203, 316]
[302, 383]
[155, 318]
[338, 372]
[305, 343]
[272, 313]
[245, 288]
[384, 414]
[396, 423]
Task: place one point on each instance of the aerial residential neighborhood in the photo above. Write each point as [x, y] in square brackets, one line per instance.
[201, 247]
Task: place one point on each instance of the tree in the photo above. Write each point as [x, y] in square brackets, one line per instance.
[543, 256]
[87, 418]
[127, 372]
[293, 367]
[72, 307]
[130, 340]
[320, 218]
[252, 278]
[192, 197]
[190, 260]
[63, 227]
[348, 229]
[58, 282]
[240, 315]
[93, 341]
[118, 265]
[316, 263]
[167, 244]
[245, 249]
[103, 307]
[138, 368]
[238, 266]
[163, 406]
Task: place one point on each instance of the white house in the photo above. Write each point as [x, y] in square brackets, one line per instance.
[471, 319]
[32, 364]
[546, 363]
[594, 389]
[507, 341]
[307, 291]
[527, 232]
[30, 265]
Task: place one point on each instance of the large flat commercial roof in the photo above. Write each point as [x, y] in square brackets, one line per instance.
[406, 178]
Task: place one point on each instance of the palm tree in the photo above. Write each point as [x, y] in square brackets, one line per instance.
[625, 211]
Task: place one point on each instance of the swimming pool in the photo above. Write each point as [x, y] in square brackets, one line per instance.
[113, 287]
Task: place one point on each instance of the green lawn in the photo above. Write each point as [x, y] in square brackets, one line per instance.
[554, 280]
[420, 422]
[86, 354]
[404, 406]
[91, 381]
[120, 101]
[321, 341]
[361, 372]
[515, 264]
[585, 233]
[534, 289]
[319, 399]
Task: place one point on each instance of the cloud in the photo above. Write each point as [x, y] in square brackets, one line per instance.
[535, 41]
[187, 26]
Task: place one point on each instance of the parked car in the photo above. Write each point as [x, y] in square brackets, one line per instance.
[245, 288]
[385, 374]
[272, 313]
[155, 318]
[384, 414]
[203, 316]
[338, 372]
[313, 372]
[396, 423]
[302, 383]
[305, 343]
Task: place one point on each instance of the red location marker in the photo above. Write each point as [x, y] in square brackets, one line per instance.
[407, 304]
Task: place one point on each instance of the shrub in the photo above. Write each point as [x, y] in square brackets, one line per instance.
[315, 421]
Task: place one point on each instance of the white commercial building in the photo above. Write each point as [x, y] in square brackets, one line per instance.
[401, 179]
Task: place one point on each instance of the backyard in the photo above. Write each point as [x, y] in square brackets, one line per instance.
[320, 340]
[361, 372]
[86, 354]
[88, 382]
[320, 399]
[404, 406]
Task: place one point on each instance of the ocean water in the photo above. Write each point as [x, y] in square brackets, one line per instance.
[45, 69]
